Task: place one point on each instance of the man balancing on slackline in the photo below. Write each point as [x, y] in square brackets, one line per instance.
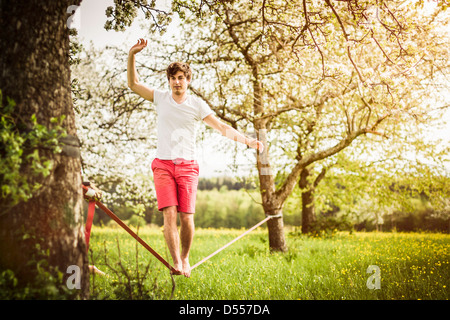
[175, 169]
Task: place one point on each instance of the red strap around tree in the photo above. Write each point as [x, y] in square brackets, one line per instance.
[91, 210]
[89, 220]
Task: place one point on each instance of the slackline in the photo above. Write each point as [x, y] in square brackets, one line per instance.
[91, 209]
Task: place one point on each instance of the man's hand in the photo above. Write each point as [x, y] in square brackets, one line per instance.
[133, 81]
[256, 144]
[141, 44]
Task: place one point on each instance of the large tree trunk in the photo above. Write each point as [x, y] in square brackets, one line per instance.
[272, 205]
[35, 73]
[275, 226]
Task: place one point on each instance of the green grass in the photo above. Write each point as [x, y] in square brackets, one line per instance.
[412, 266]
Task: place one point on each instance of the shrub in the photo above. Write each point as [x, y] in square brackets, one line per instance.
[328, 226]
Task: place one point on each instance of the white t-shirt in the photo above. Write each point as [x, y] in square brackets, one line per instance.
[177, 125]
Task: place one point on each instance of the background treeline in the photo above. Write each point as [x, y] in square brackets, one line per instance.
[224, 202]
[228, 182]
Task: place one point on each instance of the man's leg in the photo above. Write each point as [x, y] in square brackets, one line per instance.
[186, 235]
[186, 178]
[172, 237]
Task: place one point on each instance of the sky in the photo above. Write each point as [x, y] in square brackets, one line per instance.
[90, 20]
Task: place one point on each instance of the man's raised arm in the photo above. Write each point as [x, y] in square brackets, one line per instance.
[133, 81]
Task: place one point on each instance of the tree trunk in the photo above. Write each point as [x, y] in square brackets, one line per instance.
[275, 226]
[272, 205]
[35, 73]
[308, 210]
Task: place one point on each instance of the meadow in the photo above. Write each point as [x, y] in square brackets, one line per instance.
[410, 265]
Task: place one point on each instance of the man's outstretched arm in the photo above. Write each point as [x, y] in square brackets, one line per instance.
[232, 133]
[133, 80]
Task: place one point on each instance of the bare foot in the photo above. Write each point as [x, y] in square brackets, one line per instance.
[177, 270]
[186, 268]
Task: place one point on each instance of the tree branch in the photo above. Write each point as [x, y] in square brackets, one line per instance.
[286, 189]
[349, 54]
[220, 113]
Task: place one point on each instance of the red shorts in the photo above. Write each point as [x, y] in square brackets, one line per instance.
[176, 183]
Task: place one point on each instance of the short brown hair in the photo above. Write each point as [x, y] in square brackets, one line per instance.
[174, 67]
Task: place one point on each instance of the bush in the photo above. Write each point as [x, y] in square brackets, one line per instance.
[43, 280]
[127, 279]
[328, 226]
[21, 161]
[136, 221]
